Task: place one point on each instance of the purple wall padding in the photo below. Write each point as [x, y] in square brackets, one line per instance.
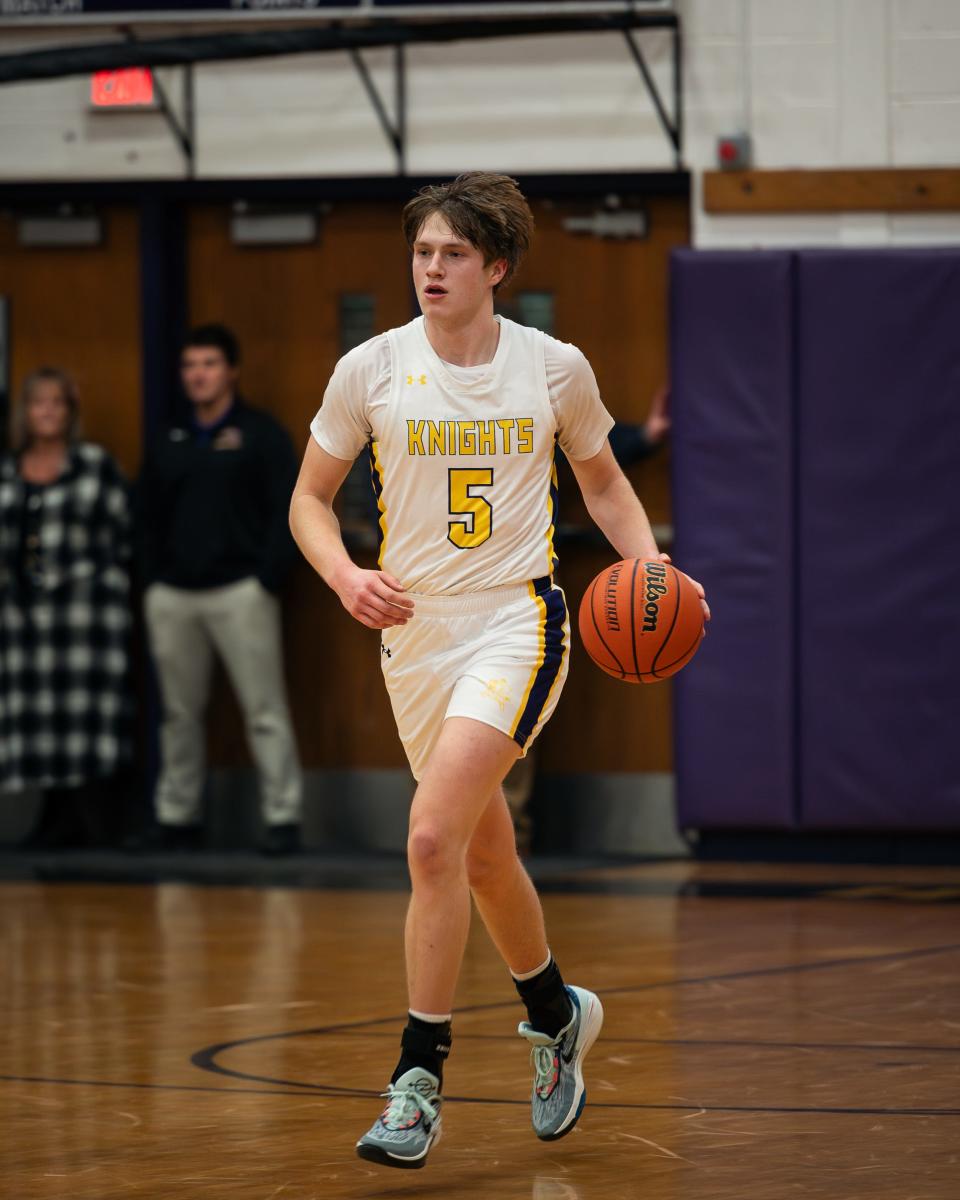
[731, 376]
[879, 538]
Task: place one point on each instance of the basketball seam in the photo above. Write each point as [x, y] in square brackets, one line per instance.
[676, 613]
[692, 646]
[593, 617]
[633, 615]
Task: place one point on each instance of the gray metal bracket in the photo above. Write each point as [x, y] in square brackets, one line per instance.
[673, 129]
[396, 131]
[184, 135]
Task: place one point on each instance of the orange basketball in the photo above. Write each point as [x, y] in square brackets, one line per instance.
[641, 621]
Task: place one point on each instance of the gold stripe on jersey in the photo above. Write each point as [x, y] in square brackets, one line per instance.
[552, 492]
[381, 507]
[541, 653]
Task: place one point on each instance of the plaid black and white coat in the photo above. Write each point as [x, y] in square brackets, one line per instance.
[64, 624]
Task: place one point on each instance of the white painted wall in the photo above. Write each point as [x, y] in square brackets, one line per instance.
[817, 83]
[827, 83]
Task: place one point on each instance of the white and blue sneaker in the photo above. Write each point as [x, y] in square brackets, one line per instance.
[410, 1124]
[558, 1090]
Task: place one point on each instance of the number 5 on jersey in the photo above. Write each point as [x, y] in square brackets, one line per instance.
[472, 513]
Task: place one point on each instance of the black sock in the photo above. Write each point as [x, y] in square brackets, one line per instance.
[548, 1003]
[423, 1044]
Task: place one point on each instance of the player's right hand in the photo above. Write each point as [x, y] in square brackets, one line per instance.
[699, 589]
[374, 598]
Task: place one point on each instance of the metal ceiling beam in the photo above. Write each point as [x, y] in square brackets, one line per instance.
[574, 186]
[204, 14]
[177, 51]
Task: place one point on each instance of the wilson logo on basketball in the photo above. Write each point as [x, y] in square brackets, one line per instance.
[656, 589]
[610, 599]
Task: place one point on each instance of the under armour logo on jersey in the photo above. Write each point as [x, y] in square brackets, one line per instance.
[421, 379]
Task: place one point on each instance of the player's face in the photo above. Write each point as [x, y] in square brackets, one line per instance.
[206, 375]
[452, 282]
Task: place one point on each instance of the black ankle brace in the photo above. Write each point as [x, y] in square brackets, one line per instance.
[548, 1004]
[426, 1038]
[423, 1044]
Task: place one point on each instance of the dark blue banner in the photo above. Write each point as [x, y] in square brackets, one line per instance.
[68, 8]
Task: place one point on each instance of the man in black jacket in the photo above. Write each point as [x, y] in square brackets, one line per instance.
[216, 546]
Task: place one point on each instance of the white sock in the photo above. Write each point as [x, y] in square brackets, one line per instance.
[433, 1018]
[536, 971]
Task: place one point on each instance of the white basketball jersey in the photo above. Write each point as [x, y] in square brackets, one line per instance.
[462, 463]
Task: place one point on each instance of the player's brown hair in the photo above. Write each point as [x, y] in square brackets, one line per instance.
[488, 211]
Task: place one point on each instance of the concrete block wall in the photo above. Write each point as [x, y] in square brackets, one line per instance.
[827, 83]
[819, 83]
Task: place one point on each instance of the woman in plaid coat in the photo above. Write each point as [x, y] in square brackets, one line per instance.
[64, 611]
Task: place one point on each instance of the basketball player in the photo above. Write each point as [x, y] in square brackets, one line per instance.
[460, 411]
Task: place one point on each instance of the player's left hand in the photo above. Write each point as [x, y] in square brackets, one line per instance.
[699, 586]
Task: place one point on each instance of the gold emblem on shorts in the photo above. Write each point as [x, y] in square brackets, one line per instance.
[497, 689]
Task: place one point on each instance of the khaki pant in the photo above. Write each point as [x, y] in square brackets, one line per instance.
[241, 622]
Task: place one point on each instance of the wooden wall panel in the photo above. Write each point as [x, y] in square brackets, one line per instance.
[79, 308]
[283, 304]
[282, 301]
[610, 299]
[851, 189]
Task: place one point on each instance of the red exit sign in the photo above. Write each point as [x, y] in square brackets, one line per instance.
[129, 88]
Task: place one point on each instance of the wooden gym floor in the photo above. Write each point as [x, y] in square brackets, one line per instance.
[772, 1032]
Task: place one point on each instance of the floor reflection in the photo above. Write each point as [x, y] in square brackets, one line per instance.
[549, 1187]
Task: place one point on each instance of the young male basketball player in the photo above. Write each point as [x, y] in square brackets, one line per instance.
[460, 411]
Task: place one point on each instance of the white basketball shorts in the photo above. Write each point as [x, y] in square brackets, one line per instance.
[498, 656]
